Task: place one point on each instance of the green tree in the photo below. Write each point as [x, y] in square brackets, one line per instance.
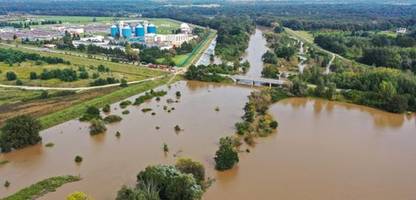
[97, 126]
[19, 132]
[226, 156]
[188, 166]
[386, 89]
[11, 76]
[171, 183]
[299, 88]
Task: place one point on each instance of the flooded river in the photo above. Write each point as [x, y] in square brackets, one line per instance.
[322, 150]
[256, 48]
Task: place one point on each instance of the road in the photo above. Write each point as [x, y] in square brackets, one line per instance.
[76, 88]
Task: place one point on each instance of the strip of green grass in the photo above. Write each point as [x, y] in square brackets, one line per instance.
[41, 188]
[3, 162]
[79, 109]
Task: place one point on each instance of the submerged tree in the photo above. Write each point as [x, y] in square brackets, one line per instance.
[19, 132]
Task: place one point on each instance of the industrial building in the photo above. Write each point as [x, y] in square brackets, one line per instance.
[147, 34]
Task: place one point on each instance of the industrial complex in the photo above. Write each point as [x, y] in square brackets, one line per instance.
[143, 32]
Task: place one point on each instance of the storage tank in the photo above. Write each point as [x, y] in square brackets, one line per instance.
[126, 31]
[151, 29]
[114, 31]
[139, 30]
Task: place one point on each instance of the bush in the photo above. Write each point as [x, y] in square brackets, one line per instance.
[124, 104]
[92, 112]
[125, 112]
[106, 108]
[242, 127]
[11, 76]
[78, 159]
[274, 124]
[78, 196]
[44, 94]
[123, 83]
[19, 132]
[33, 76]
[112, 118]
[226, 156]
[19, 82]
[97, 126]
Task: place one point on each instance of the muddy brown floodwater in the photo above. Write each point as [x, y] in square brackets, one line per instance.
[322, 150]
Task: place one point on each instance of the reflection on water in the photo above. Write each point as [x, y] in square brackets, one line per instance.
[381, 119]
[322, 149]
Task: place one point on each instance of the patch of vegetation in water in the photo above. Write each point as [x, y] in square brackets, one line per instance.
[112, 119]
[43, 187]
[148, 96]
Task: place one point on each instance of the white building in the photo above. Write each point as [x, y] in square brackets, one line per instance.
[401, 30]
[185, 28]
[173, 39]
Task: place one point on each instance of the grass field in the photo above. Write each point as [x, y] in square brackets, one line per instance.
[117, 70]
[41, 188]
[178, 59]
[9, 95]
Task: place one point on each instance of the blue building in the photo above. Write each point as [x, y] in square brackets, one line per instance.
[139, 31]
[126, 31]
[114, 31]
[151, 29]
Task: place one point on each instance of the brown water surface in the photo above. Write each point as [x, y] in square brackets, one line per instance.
[322, 150]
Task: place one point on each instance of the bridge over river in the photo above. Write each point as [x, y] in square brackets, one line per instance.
[240, 79]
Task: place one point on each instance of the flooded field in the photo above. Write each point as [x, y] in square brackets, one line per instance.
[323, 150]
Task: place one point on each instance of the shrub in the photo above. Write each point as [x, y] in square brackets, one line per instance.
[242, 127]
[274, 124]
[125, 112]
[146, 110]
[78, 196]
[6, 184]
[50, 144]
[78, 159]
[112, 118]
[118, 134]
[44, 94]
[123, 83]
[165, 147]
[178, 94]
[177, 128]
[33, 76]
[11, 76]
[97, 126]
[19, 132]
[124, 104]
[19, 82]
[106, 108]
[92, 112]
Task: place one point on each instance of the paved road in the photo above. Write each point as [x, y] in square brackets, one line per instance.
[76, 88]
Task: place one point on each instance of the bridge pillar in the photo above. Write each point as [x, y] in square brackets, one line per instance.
[270, 85]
